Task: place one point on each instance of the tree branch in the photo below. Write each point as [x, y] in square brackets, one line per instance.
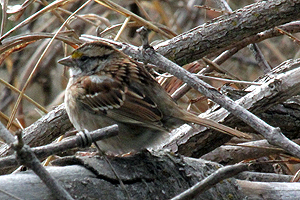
[223, 32]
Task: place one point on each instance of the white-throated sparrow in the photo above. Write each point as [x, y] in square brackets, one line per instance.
[108, 87]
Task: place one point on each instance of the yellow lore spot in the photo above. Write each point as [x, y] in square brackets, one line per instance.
[76, 55]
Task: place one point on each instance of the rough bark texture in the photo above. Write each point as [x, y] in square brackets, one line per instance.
[193, 144]
[263, 15]
[264, 177]
[45, 130]
[272, 190]
[278, 86]
[160, 176]
[145, 176]
[223, 32]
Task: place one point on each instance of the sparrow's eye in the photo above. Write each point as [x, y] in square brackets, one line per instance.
[83, 58]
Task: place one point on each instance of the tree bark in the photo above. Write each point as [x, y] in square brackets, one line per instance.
[272, 190]
[226, 31]
[145, 176]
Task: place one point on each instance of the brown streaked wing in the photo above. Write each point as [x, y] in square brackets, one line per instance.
[140, 107]
[121, 103]
[101, 94]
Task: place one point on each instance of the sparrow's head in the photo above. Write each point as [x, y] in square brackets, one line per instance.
[90, 57]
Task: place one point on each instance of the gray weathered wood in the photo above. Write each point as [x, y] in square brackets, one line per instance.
[272, 190]
[145, 176]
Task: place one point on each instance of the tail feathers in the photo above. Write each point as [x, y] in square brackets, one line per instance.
[214, 125]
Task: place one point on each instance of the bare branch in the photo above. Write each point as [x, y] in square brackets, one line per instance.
[225, 31]
[217, 176]
[25, 156]
[82, 140]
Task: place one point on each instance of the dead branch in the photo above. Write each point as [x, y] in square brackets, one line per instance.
[224, 32]
[145, 176]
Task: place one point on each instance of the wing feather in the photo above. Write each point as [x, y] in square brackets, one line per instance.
[121, 102]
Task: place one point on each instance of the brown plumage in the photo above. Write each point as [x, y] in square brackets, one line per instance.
[108, 87]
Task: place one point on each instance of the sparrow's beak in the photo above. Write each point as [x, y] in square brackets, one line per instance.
[67, 61]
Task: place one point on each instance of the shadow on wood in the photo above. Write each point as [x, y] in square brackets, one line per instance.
[156, 175]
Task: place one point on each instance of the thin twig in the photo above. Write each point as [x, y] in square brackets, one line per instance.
[260, 58]
[212, 9]
[26, 157]
[143, 10]
[289, 35]
[273, 135]
[5, 117]
[122, 28]
[227, 80]
[33, 17]
[59, 17]
[4, 16]
[182, 90]
[82, 140]
[133, 16]
[10, 195]
[37, 64]
[264, 65]
[113, 170]
[24, 95]
[211, 180]
[6, 135]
